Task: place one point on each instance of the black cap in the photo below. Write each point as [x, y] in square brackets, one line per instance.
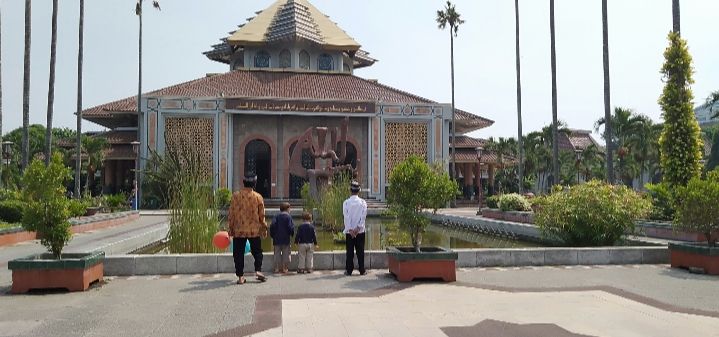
[250, 178]
[355, 187]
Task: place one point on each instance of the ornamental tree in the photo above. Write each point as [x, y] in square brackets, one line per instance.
[414, 187]
[697, 206]
[680, 142]
[47, 210]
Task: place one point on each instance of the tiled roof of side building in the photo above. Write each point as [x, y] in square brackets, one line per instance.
[119, 137]
[470, 156]
[283, 84]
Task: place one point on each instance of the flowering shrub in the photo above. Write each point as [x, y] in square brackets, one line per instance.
[592, 214]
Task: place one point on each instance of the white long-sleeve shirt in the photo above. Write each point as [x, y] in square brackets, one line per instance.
[354, 210]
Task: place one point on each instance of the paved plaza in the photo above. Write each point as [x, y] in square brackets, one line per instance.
[632, 300]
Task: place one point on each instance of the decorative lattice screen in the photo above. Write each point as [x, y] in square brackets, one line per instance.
[191, 138]
[403, 140]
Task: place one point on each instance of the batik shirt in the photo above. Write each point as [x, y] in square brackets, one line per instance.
[246, 217]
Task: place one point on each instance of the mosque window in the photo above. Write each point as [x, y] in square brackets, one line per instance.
[304, 60]
[262, 60]
[325, 62]
[285, 59]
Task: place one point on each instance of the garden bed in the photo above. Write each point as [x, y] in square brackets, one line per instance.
[664, 230]
[513, 216]
[17, 234]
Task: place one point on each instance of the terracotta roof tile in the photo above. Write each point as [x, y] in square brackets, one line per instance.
[576, 139]
[120, 153]
[285, 84]
[470, 156]
[119, 137]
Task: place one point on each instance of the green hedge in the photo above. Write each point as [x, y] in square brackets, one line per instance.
[11, 210]
[77, 208]
[591, 214]
[662, 205]
[493, 201]
[514, 202]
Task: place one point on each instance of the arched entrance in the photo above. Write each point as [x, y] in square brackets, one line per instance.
[258, 160]
[296, 182]
[351, 157]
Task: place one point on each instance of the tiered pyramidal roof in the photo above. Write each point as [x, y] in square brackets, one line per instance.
[289, 20]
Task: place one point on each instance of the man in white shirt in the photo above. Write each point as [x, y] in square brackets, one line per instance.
[354, 210]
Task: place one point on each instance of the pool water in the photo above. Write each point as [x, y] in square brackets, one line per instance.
[381, 233]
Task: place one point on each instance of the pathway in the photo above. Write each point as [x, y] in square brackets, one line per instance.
[114, 240]
[632, 300]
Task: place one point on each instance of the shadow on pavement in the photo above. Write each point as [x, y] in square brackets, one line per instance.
[202, 285]
[685, 274]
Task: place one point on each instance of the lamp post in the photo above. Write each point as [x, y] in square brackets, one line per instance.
[479, 179]
[578, 153]
[136, 150]
[6, 155]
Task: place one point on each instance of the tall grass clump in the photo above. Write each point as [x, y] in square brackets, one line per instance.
[331, 198]
[194, 215]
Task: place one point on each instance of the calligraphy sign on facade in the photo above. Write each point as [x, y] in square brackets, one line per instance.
[249, 104]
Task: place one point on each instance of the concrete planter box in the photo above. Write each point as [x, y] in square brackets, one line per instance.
[431, 262]
[513, 216]
[74, 272]
[695, 256]
[664, 230]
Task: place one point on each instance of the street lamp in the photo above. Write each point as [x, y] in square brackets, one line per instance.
[136, 150]
[578, 152]
[479, 179]
[6, 154]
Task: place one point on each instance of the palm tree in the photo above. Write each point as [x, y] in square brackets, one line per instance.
[555, 123]
[607, 99]
[78, 144]
[26, 89]
[450, 17]
[51, 86]
[625, 124]
[94, 148]
[644, 145]
[675, 16]
[520, 169]
[710, 103]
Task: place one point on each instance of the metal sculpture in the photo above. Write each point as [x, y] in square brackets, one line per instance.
[314, 140]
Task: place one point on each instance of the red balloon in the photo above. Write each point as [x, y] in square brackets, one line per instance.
[221, 240]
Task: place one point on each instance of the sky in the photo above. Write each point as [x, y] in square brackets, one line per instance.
[413, 53]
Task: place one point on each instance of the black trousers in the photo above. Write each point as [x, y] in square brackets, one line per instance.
[352, 244]
[238, 253]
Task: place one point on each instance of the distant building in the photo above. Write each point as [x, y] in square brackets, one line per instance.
[290, 68]
[704, 115]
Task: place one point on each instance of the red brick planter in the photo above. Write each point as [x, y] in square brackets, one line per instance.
[74, 272]
[431, 262]
[695, 256]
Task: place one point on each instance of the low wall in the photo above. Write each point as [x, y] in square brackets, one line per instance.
[664, 230]
[514, 216]
[78, 225]
[127, 265]
[490, 226]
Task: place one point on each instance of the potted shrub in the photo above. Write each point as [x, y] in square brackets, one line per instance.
[591, 214]
[416, 186]
[697, 209]
[47, 213]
